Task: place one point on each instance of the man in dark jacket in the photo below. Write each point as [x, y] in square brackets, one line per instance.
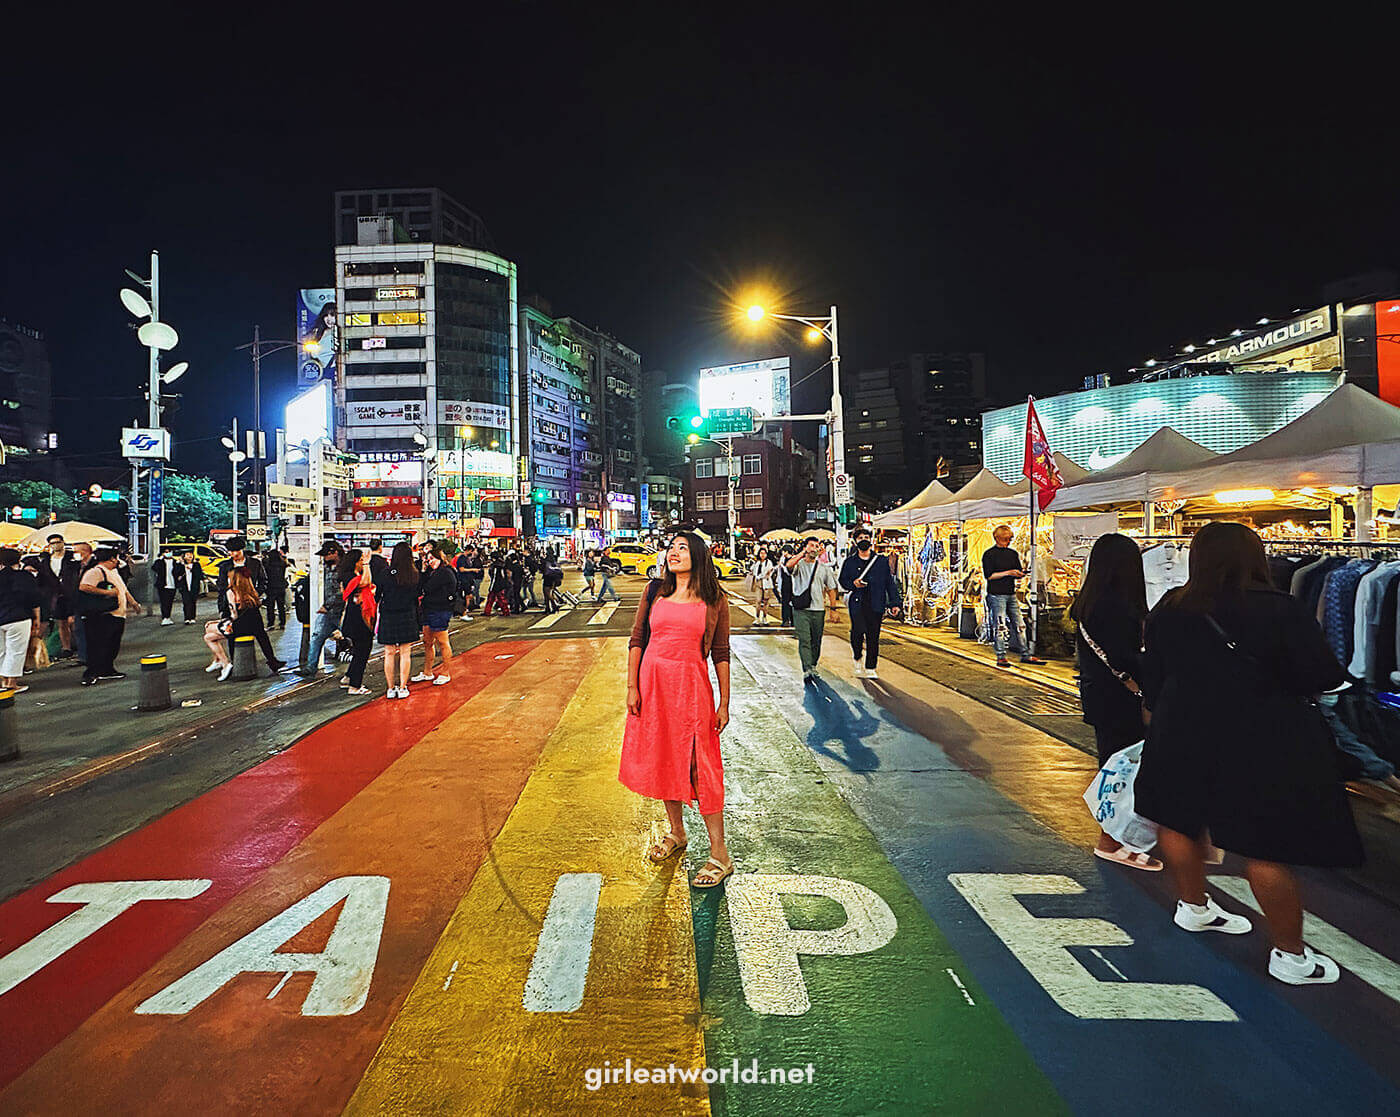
[189, 579]
[326, 622]
[163, 574]
[240, 560]
[377, 562]
[869, 583]
[275, 563]
[59, 572]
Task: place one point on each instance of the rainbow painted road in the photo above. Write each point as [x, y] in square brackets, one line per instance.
[443, 906]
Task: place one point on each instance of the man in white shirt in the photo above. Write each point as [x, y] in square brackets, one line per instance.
[814, 588]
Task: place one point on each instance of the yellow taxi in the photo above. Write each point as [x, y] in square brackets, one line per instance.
[728, 568]
[634, 558]
[208, 555]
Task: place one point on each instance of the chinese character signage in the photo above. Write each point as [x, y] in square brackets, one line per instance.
[385, 413]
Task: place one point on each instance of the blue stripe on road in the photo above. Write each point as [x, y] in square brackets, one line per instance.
[934, 820]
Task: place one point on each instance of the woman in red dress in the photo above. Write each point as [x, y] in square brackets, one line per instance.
[670, 750]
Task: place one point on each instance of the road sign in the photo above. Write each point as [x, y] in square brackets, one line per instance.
[256, 533]
[731, 420]
[157, 501]
[842, 484]
[291, 500]
[254, 508]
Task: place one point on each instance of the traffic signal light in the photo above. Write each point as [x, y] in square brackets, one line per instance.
[690, 423]
[541, 495]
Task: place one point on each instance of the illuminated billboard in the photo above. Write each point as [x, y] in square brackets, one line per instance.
[317, 335]
[1095, 428]
[765, 386]
[308, 415]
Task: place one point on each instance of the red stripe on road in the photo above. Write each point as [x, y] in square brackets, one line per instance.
[244, 826]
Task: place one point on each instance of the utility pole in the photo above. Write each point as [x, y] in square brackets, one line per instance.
[152, 528]
[233, 461]
[838, 433]
[259, 470]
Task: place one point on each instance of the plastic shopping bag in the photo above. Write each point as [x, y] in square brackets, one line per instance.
[1110, 800]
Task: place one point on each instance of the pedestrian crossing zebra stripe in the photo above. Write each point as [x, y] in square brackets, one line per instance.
[603, 615]
[551, 620]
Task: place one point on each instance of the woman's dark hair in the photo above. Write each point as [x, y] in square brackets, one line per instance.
[1114, 577]
[1226, 559]
[401, 565]
[9, 556]
[704, 581]
[345, 569]
[104, 554]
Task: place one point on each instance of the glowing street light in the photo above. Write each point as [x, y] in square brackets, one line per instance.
[756, 313]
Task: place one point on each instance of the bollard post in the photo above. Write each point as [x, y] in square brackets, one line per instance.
[155, 684]
[245, 663]
[9, 726]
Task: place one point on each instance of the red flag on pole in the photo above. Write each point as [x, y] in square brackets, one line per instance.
[1039, 464]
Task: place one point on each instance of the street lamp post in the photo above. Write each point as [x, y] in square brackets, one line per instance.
[824, 327]
[257, 345]
[727, 445]
[235, 455]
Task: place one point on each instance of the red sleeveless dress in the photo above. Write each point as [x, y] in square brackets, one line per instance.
[678, 714]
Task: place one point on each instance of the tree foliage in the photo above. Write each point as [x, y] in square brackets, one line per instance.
[193, 506]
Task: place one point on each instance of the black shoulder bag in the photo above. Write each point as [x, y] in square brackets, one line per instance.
[91, 604]
[652, 590]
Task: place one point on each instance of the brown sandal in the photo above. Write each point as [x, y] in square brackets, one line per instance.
[665, 849]
[707, 878]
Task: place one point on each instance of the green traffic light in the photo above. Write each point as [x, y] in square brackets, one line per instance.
[696, 422]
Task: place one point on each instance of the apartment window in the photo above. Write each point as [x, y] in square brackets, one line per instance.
[859, 426]
[705, 502]
[704, 467]
[753, 498]
[752, 464]
[866, 458]
[881, 424]
[359, 319]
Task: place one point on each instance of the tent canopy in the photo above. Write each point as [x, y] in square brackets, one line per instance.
[1349, 438]
[1131, 478]
[73, 531]
[12, 534]
[933, 494]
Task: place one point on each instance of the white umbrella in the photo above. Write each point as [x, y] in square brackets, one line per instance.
[780, 535]
[73, 531]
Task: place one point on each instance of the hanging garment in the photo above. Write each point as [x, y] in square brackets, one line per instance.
[1369, 595]
[1378, 669]
[1338, 604]
[1295, 587]
[1314, 579]
[1164, 567]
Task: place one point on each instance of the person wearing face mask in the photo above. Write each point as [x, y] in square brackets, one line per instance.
[867, 579]
[58, 581]
[163, 572]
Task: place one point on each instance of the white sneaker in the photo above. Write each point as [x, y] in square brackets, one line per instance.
[870, 673]
[421, 678]
[392, 692]
[166, 620]
[225, 672]
[1210, 918]
[358, 690]
[442, 680]
[1308, 968]
[403, 692]
[214, 667]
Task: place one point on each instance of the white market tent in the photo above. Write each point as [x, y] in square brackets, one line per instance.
[1131, 479]
[934, 493]
[986, 496]
[1350, 438]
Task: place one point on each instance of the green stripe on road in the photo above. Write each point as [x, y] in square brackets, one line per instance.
[894, 1028]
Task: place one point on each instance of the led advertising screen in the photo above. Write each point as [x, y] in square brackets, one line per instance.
[765, 386]
[308, 415]
[317, 335]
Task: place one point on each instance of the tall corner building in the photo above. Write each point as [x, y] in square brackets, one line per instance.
[581, 420]
[903, 417]
[430, 348]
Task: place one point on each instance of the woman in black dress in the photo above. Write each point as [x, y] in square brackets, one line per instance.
[397, 591]
[1236, 751]
[1110, 611]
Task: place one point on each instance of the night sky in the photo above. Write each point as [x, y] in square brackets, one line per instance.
[1070, 200]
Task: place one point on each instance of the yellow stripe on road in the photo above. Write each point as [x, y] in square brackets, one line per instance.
[607, 967]
[603, 615]
[551, 620]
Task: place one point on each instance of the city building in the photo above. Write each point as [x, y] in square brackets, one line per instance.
[26, 399]
[772, 483]
[617, 388]
[662, 504]
[423, 214]
[1225, 392]
[905, 418]
[429, 382]
[562, 424]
